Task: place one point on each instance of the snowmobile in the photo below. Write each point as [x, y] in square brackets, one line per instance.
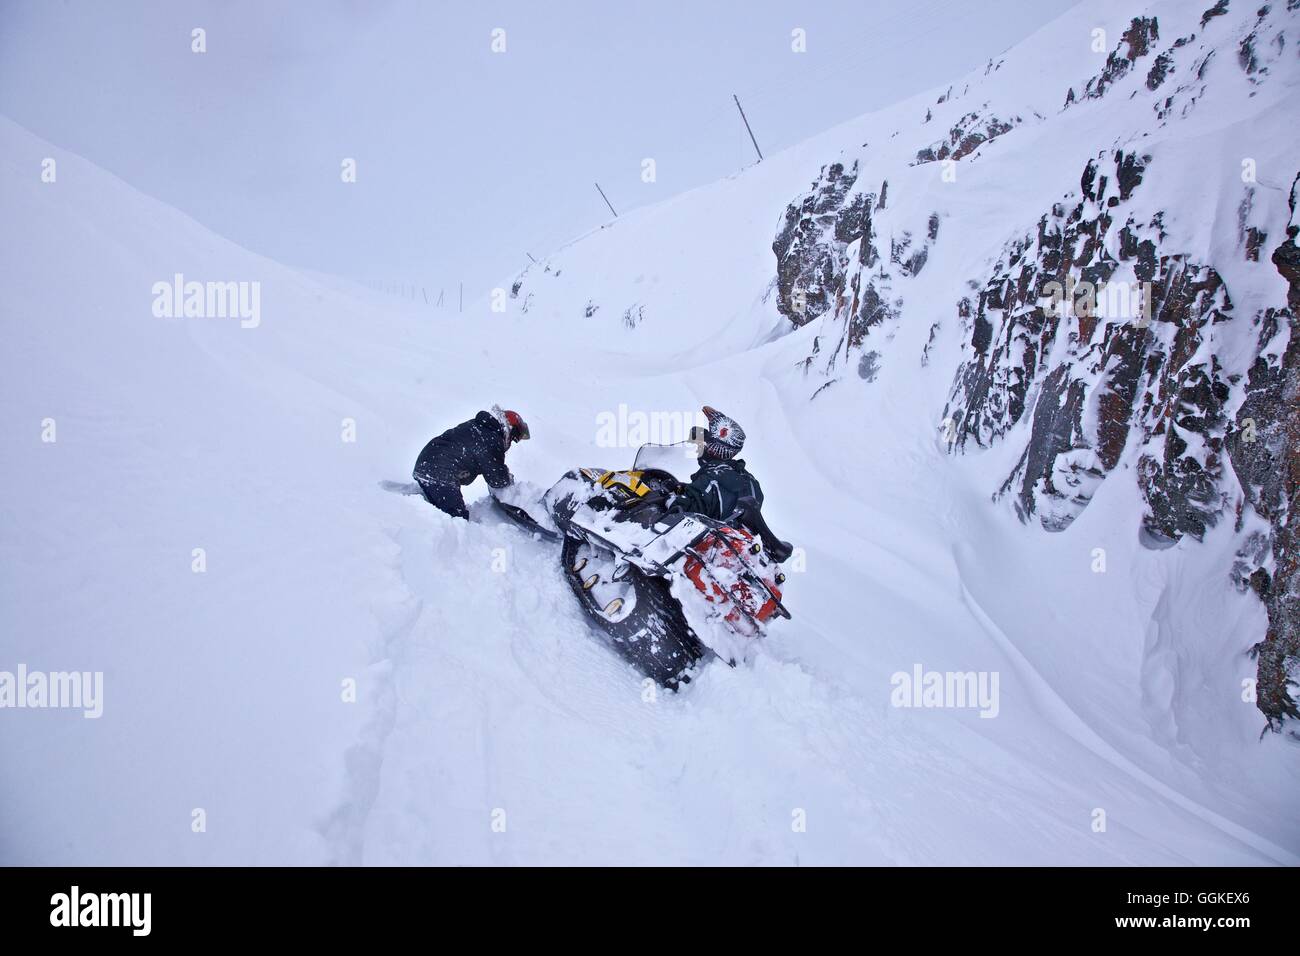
[665, 587]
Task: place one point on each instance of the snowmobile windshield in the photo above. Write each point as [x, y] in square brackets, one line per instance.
[679, 459]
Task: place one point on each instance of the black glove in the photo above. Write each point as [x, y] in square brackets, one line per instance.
[752, 518]
[780, 551]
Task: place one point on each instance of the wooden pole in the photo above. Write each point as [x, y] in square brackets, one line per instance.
[747, 129]
[607, 202]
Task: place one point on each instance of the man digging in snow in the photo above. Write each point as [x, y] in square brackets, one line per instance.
[469, 450]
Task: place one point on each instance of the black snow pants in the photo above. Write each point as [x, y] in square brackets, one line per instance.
[443, 495]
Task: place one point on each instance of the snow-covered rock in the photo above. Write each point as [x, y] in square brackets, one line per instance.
[1123, 321]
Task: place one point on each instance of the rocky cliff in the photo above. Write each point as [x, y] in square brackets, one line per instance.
[1139, 326]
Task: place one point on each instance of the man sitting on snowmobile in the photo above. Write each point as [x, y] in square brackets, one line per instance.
[463, 453]
[721, 486]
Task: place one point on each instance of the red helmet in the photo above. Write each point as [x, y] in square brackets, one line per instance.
[518, 427]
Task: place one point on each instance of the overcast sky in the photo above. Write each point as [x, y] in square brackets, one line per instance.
[466, 159]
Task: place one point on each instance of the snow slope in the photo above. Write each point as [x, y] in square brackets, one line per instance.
[489, 726]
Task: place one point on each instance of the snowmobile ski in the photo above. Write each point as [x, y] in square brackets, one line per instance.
[526, 521]
[401, 487]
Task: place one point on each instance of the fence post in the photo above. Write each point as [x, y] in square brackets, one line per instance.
[747, 129]
[607, 202]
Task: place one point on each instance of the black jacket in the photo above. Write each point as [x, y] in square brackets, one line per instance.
[717, 486]
[461, 454]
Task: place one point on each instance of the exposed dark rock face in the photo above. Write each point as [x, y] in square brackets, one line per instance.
[910, 261]
[1012, 335]
[1183, 99]
[929, 344]
[1136, 43]
[1260, 49]
[1103, 340]
[1159, 70]
[1095, 385]
[829, 265]
[1102, 359]
[1218, 10]
[1265, 451]
[810, 246]
[968, 134]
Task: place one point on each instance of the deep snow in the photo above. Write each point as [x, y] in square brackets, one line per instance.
[482, 697]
